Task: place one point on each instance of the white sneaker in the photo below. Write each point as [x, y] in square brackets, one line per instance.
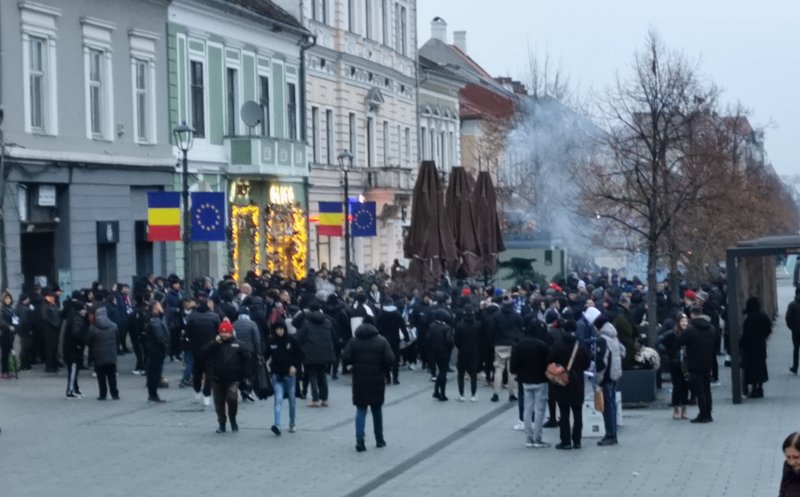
[520, 426]
[461, 398]
[198, 396]
[206, 401]
[474, 399]
[716, 384]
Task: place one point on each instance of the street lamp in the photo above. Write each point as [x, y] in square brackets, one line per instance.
[184, 137]
[345, 163]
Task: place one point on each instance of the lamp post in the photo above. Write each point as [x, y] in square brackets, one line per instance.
[345, 163]
[184, 137]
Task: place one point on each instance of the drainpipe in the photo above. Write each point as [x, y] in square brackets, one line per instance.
[305, 44]
[3, 263]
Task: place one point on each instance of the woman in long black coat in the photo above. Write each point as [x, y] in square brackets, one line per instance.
[756, 329]
[570, 397]
[371, 357]
[467, 340]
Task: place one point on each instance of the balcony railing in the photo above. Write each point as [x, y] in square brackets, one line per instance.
[390, 177]
[266, 156]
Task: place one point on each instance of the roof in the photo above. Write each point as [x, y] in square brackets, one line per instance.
[268, 9]
[477, 102]
[450, 55]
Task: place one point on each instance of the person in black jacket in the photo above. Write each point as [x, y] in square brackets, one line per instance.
[201, 329]
[699, 342]
[757, 327]
[228, 360]
[487, 319]
[316, 336]
[51, 324]
[667, 344]
[337, 313]
[370, 356]
[390, 324]
[440, 346]
[156, 340]
[73, 344]
[9, 323]
[286, 358]
[528, 363]
[25, 313]
[508, 329]
[102, 339]
[467, 339]
[569, 397]
[793, 323]
[790, 482]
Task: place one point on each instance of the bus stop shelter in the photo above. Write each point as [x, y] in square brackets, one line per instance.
[735, 258]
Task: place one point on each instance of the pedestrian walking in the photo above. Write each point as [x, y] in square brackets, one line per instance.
[793, 323]
[568, 351]
[467, 337]
[228, 363]
[316, 336]
[156, 341]
[440, 342]
[392, 327]
[370, 356]
[247, 334]
[790, 483]
[102, 340]
[699, 342]
[201, 329]
[756, 328]
[286, 357]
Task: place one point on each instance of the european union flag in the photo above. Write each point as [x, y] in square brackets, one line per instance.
[208, 217]
[363, 219]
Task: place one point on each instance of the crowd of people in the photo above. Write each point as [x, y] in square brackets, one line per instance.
[537, 344]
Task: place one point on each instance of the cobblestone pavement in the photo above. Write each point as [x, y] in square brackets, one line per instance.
[52, 446]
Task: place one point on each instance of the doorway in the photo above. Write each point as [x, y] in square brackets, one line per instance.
[107, 263]
[38, 258]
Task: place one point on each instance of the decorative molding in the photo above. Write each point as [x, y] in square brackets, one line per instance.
[40, 8]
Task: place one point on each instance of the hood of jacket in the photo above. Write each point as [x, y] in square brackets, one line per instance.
[507, 308]
[702, 323]
[101, 318]
[316, 317]
[366, 331]
[608, 330]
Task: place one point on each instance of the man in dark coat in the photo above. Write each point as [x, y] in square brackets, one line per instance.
[316, 336]
[467, 340]
[793, 323]
[486, 317]
[440, 342]
[371, 357]
[51, 324]
[757, 327]
[390, 325]
[228, 360]
[508, 329]
[201, 329]
[529, 362]
[699, 342]
[419, 320]
[73, 345]
[570, 397]
[102, 340]
[336, 311]
[155, 341]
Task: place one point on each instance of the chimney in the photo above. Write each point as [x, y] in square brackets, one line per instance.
[460, 40]
[439, 29]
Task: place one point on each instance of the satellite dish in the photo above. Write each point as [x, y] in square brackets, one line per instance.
[251, 114]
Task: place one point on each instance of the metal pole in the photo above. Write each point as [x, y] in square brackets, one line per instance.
[186, 218]
[346, 229]
[733, 325]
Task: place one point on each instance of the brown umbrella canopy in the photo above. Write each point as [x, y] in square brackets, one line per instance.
[458, 203]
[490, 239]
[430, 244]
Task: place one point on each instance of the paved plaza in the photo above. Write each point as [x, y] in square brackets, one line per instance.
[54, 447]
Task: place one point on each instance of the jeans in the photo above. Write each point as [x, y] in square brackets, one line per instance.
[188, 366]
[700, 383]
[72, 377]
[610, 410]
[502, 360]
[536, 395]
[107, 380]
[318, 379]
[377, 421]
[284, 387]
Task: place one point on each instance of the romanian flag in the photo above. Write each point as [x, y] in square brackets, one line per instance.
[163, 216]
[331, 219]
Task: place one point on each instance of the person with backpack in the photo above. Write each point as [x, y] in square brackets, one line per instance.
[609, 352]
[286, 357]
[440, 342]
[156, 340]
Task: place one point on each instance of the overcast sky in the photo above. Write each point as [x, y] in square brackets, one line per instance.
[750, 49]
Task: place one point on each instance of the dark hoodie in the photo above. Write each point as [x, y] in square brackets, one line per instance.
[508, 325]
[391, 324]
[467, 338]
[699, 341]
[793, 312]
[102, 338]
[529, 358]
[371, 357]
[316, 335]
[284, 352]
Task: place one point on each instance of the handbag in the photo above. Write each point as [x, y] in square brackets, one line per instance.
[599, 400]
[557, 374]
[262, 386]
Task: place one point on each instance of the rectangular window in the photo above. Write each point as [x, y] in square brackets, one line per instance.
[432, 144]
[407, 145]
[399, 145]
[263, 101]
[443, 153]
[36, 74]
[96, 92]
[198, 117]
[385, 143]
[324, 11]
[452, 149]
[291, 110]
[403, 31]
[370, 138]
[368, 18]
[423, 135]
[351, 16]
[329, 136]
[385, 22]
[548, 257]
[352, 136]
[142, 101]
[315, 134]
[232, 81]
[314, 9]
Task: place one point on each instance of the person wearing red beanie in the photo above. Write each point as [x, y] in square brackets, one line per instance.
[228, 360]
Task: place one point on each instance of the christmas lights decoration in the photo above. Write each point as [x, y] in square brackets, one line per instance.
[242, 216]
[286, 237]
